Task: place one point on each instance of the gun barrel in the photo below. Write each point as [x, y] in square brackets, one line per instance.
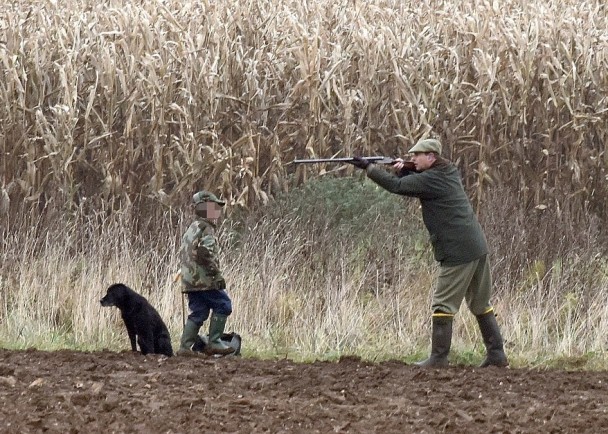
[376, 159]
[323, 160]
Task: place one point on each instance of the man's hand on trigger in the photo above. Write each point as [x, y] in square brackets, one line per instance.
[360, 163]
[398, 163]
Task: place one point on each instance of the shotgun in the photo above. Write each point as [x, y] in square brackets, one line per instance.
[377, 160]
[407, 165]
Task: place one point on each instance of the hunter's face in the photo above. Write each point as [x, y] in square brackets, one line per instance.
[423, 160]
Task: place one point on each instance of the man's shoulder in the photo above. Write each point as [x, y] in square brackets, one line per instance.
[442, 168]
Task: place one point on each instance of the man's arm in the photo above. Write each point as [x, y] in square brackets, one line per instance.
[412, 185]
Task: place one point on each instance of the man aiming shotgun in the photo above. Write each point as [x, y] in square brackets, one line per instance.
[458, 241]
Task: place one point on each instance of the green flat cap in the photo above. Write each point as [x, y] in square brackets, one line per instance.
[427, 145]
[205, 196]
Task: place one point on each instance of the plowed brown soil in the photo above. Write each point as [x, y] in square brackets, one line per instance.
[67, 391]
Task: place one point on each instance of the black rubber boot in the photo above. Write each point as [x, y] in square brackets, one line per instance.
[493, 341]
[440, 343]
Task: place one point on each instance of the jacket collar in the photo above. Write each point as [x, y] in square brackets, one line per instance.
[207, 222]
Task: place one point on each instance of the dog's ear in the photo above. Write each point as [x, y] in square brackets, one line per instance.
[119, 293]
[117, 289]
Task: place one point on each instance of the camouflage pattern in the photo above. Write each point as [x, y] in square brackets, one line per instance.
[206, 196]
[199, 258]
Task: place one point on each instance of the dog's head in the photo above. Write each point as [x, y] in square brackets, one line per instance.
[116, 295]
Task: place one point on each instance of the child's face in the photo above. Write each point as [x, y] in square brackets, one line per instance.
[212, 210]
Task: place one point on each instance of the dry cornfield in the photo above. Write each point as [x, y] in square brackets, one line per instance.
[117, 103]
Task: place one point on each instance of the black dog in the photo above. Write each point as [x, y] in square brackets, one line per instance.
[141, 319]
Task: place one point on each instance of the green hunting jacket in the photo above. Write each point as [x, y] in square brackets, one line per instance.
[455, 232]
[199, 258]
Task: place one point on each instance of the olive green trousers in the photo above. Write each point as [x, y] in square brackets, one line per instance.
[471, 281]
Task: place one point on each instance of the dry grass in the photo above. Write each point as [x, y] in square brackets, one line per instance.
[302, 288]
